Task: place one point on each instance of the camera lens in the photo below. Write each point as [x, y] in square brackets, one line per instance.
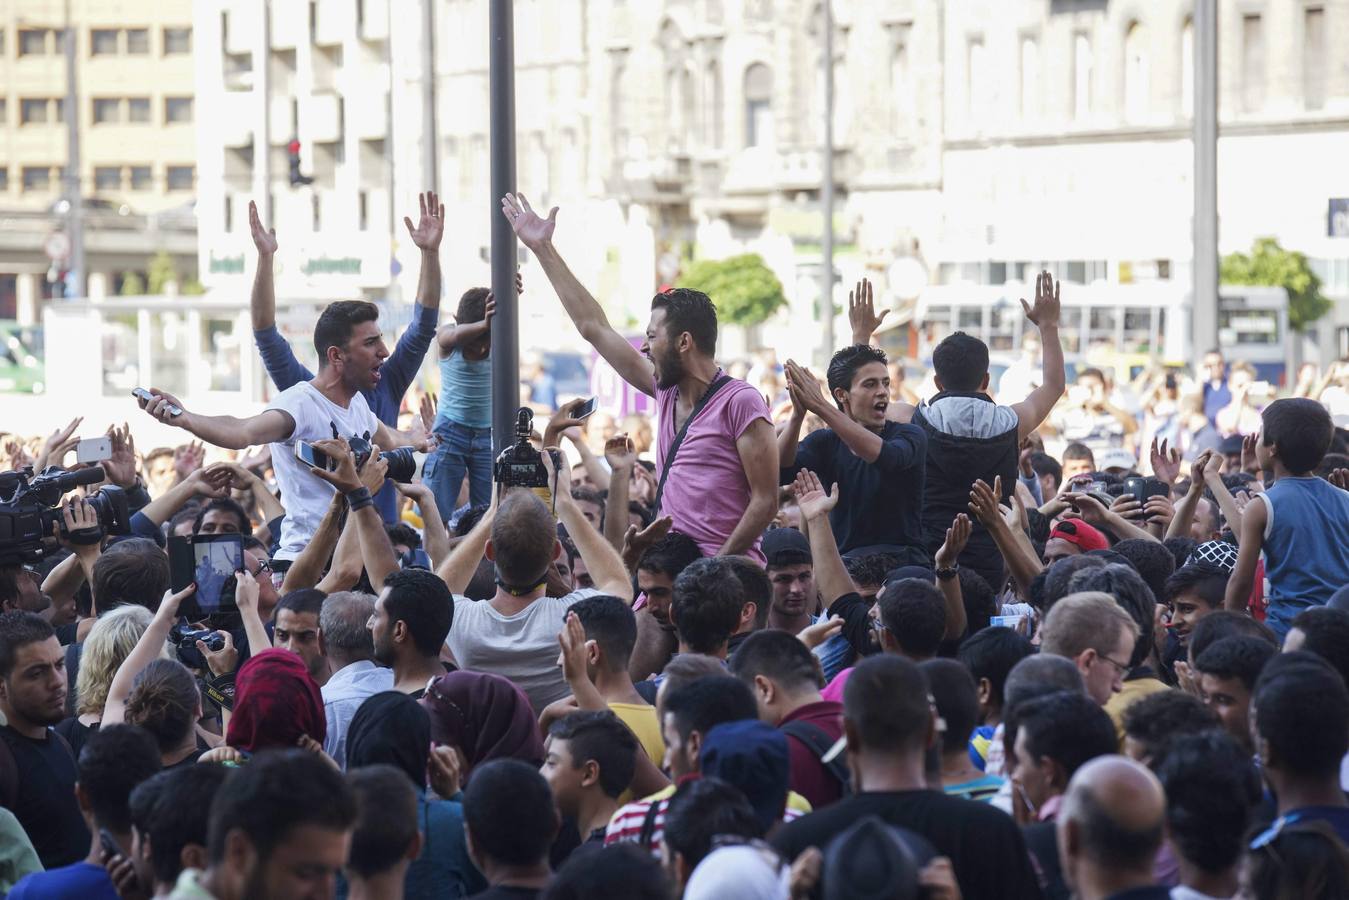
[110, 506]
[402, 464]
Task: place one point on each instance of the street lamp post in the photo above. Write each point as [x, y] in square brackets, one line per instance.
[506, 322]
[1204, 289]
[827, 187]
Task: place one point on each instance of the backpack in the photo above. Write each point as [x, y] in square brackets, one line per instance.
[819, 742]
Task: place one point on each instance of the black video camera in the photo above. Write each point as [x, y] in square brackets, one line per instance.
[520, 465]
[402, 463]
[29, 505]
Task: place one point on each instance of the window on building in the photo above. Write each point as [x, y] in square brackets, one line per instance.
[363, 209]
[107, 110]
[713, 107]
[181, 178]
[1314, 57]
[618, 103]
[138, 109]
[1030, 78]
[976, 78]
[107, 178]
[37, 178]
[4, 111]
[177, 109]
[1187, 68]
[315, 211]
[1083, 64]
[901, 86]
[4, 178]
[33, 41]
[1252, 63]
[140, 178]
[103, 42]
[759, 106]
[1136, 75]
[34, 110]
[138, 41]
[2, 41]
[177, 40]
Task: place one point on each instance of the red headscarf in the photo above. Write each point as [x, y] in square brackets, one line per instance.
[485, 716]
[275, 701]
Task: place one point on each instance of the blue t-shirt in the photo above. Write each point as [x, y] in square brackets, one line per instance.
[81, 881]
[1306, 546]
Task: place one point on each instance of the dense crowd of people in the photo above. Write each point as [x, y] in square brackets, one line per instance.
[799, 636]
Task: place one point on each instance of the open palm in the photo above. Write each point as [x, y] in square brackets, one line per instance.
[263, 238]
[431, 223]
[527, 224]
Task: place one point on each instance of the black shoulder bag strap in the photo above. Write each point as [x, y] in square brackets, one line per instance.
[716, 385]
[820, 743]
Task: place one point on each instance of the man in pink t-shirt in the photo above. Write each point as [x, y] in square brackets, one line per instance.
[722, 487]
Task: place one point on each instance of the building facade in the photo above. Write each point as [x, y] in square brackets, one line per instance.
[134, 99]
[974, 141]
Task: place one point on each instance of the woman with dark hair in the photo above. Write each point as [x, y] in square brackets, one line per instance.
[484, 717]
[393, 729]
[165, 701]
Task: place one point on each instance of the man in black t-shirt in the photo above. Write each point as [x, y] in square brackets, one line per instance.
[878, 465]
[890, 723]
[37, 768]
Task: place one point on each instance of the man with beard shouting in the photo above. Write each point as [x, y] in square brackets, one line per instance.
[719, 483]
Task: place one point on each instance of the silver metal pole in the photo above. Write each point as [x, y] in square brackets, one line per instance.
[1204, 293]
[430, 146]
[75, 286]
[827, 188]
[262, 144]
[506, 323]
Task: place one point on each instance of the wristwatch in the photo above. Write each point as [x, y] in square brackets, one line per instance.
[948, 574]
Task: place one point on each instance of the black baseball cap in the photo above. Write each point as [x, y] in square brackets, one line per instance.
[786, 547]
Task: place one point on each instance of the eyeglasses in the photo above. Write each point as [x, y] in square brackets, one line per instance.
[263, 566]
[1123, 668]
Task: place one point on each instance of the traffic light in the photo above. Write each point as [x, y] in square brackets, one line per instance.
[297, 179]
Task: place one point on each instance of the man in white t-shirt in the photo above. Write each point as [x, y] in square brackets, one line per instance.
[351, 352]
[515, 633]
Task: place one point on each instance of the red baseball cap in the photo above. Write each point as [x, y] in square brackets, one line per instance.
[1075, 531]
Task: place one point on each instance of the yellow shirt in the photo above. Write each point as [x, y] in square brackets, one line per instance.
[641, 721]
[1133, 692]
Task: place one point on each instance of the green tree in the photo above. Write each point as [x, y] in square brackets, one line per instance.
[1270, 264]
[161, 271]
[744, 289]
[132, 284]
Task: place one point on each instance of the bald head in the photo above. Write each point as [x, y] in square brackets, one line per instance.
[524, 539]
[1110, 823]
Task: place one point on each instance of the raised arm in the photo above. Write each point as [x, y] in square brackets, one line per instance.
[208, 483]
[435, 538]
[426, 236]
[1248, 557]
[759, 456]
[262, 302]
[230, 432]
[789, 433]
[957, 536]
[1032, 411]
[454, 335]
[862, 313]
[603, 561]
[360, 488]
[458, 570]
[621, 455]
[537, 234]
[1021, 561]
[146, 651]
[836, 586]
[307, 569]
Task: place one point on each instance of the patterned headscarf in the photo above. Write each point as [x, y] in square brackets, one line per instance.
[275, 702]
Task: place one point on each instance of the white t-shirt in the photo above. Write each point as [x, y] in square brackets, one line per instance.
[305, 496]
[522, 647]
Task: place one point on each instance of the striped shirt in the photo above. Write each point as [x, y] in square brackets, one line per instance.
[627, 824]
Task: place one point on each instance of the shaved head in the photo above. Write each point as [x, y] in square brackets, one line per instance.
[1110, 823]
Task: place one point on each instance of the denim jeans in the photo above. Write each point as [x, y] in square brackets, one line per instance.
[461, 450]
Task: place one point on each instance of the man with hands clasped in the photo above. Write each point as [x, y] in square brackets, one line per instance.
[879, 465]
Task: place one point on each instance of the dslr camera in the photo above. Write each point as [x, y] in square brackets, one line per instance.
[402, 463]
[185, 637]
[520, 465]
[30, 504]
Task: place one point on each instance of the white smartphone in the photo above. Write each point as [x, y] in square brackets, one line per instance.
[92, 450]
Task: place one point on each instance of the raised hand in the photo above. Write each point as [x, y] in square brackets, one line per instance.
[572, 639]
[1045, 312]
[563, 419]
[862, 313]
[620, 453]
[263, 238]
[984, 502]
[636, 543]
[426, 411]
[344, 477]
[1339, 478]
[59, 443]
[811, 496]
[431, 224]
[374, 471]
[120, 468]
[559, 476]
[188, 458]
[527, 225]
[1166, 462]
[802, 384]
[226, 659]
[815, 635]
[1250, 463]
[957, 536]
